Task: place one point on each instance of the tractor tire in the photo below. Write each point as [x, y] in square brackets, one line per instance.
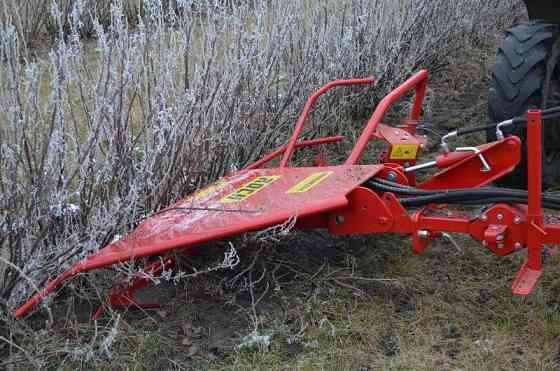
[526, 76]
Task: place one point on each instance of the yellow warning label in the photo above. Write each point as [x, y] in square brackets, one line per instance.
[206, 191]
[249, 189]
[404, 152]
[309, 182]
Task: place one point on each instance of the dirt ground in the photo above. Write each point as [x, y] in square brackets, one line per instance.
[313, 302]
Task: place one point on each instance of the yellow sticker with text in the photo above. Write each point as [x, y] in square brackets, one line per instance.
[404, 152]
[249, 189]
[206, 191]
[309, 182]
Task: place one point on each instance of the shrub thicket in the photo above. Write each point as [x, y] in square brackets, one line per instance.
[95, 134]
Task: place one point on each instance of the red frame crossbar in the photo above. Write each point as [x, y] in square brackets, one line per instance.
[307, 109]
[419, 82]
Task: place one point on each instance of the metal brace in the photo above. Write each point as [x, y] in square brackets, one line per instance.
[485, 166]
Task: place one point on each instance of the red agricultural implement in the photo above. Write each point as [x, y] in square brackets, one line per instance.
[351, 198]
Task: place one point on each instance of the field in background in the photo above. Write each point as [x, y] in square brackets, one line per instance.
[99, 133]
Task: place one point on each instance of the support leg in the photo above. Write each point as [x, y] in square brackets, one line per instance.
[124, 294]
[531, 271]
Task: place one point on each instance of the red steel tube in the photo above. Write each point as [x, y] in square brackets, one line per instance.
[419, 99]
[51, 286]
[307, 108]
[534, 174]
[304, 143]
[417, 81]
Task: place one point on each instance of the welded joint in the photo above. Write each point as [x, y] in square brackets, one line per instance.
[485, 165]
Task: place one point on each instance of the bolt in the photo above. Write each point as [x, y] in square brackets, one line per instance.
[339, 219]
[392, 176]
[423, 234]
[383, 220]
[517, 220]
[483, 217]
[500, 216]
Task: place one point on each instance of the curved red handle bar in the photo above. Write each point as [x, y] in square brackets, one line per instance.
[308, 105]
[418, 81]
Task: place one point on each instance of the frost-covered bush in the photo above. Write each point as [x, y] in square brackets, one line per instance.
[97, 134]
[34, 22]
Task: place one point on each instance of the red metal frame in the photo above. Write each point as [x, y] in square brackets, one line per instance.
[529, 274]
[306, 143]
[307, 109]
[335, 198]
[463, 169]
[418, 82]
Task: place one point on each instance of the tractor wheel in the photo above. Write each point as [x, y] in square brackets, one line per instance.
[526, 76]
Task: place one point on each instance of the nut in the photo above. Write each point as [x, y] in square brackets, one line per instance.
[392, 176]
[423, 234]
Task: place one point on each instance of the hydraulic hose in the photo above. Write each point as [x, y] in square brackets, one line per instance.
[405, 189]
[547, 114]
[415, 197]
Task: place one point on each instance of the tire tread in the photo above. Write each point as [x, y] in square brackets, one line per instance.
[517, 82]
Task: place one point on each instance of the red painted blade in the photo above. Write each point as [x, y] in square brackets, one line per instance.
[246, 201]
[526, 280]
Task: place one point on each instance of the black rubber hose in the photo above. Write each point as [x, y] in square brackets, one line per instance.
[456, 196]
[475, 129]
[547, 114]
[551, 110]
[410, 202]
[398, 190]
[459, 196]
[397, 187]
[447, 199]
[486, 198]
[480, 195]
[545, 205]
